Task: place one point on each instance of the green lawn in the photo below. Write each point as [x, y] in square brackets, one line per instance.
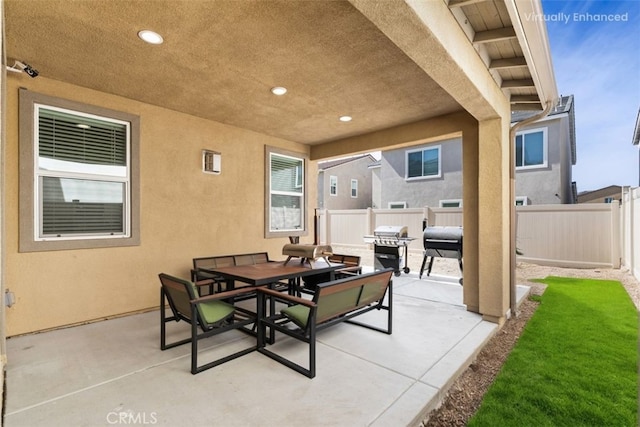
[576, 363]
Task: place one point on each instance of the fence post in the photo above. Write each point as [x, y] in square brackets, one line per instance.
[615, 235]
[327, 226]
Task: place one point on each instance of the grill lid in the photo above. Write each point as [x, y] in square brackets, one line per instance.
[396, 231]
[451, 234]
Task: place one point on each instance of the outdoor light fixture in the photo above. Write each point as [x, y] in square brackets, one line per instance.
[211, 162]
[150, 37]
[278, 90]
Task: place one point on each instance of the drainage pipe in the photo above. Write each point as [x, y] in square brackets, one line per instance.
[512, 197]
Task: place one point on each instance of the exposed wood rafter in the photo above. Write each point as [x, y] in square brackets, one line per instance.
[462, 3]
[518, 84]
[492, 36]
[499, 64]
[525, 99]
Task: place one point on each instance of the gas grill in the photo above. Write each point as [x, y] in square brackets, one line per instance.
[390, 247]
[443, 242]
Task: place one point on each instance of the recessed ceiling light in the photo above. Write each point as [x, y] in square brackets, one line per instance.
[150, 37]
[278, 90]
[345, 118]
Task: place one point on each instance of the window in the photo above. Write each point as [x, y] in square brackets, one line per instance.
[80, 175]
[423, 163]
[531, 149]
[454, 203]
[333, 185]
[354, 188]
[286, 196]
[397, 205]
[522, 201]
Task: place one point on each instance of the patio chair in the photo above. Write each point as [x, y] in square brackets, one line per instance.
[209, 313]
[198, 274]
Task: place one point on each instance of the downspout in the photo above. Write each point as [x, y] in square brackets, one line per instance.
[512, 197]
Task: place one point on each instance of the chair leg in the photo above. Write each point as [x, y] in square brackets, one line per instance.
[163, 329]
[194, 340]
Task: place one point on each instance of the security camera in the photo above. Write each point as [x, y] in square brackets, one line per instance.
[32, 72]
[21, 66]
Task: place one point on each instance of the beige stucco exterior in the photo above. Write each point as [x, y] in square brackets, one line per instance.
[184, 214]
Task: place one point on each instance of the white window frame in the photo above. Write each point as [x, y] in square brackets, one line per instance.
[438, 148]
[300, 182]
[451, 201]
[31, 176]
[354, 188]
[333, 185]
[397, 205]
[545, 149]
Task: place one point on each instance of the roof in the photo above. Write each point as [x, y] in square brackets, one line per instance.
[565, 105]
[611, 190]
[636, 132]
[338, 162]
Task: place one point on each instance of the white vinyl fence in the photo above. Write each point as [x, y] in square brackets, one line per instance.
[630, 230]
[580, 236]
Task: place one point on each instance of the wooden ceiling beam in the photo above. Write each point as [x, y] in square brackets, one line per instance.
[516, 62]
[492, 36]
[462, 3]
[518, 84]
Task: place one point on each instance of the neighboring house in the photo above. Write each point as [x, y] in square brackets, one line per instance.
[431, 174]
[345, 183]
[603, 195]
[636, 141]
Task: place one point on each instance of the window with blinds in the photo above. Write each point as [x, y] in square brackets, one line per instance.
[286, 193]
[82, 175]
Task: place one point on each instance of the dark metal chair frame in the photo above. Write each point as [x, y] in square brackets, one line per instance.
[281, 323]
[239, 319]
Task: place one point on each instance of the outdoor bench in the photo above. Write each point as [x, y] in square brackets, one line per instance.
[202, 264]
[333, 302]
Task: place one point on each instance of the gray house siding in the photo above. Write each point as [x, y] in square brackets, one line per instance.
[396, 188]
[550, 184]
[344, 172]
[546, 183]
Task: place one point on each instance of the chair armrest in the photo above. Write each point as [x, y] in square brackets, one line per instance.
[287, 298]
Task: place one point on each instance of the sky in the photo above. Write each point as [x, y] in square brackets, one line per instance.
[595, 48]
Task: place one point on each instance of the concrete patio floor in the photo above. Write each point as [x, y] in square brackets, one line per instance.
[113, 372]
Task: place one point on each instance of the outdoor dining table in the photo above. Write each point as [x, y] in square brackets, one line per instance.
[270, 273]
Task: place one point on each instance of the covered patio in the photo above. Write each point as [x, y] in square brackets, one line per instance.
[112, 372]
[202, 128]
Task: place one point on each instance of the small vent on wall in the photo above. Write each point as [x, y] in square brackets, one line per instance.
[211, 162]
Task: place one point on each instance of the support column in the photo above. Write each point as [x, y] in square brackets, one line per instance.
[493, 218]
[470, 190]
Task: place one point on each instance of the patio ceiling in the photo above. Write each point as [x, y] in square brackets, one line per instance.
[220, 59]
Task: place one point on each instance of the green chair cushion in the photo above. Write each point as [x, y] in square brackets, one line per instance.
[212, 312]
[299, 314]
[215, 311]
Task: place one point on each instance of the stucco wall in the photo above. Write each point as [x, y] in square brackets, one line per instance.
[422, 192]
[184, 214]
[357, 169]
[541, 185]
